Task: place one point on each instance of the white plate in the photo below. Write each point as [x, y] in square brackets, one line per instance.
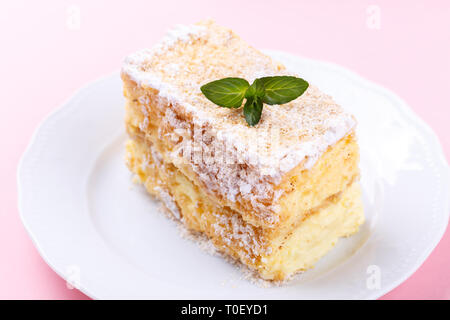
[97, 229]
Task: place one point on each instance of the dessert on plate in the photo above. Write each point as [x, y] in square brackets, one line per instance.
[276, 196]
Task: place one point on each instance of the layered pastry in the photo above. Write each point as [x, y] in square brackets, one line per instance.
[276, 196]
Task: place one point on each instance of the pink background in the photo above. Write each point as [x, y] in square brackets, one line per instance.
[44, 59]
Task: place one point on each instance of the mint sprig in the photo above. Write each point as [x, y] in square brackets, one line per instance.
[230, 93]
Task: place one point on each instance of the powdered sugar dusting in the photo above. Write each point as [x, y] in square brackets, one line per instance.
[168, 201]
[232, 229]
[183, 33]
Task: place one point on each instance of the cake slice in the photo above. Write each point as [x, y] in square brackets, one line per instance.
[276, 196]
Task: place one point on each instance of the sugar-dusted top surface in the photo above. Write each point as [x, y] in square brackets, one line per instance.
[191, 56]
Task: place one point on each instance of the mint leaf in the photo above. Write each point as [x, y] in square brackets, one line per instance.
[227, 92]
[282, 89]
[253, 109]
[255, 90]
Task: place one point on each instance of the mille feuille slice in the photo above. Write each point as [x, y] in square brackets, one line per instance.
[276, 196]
